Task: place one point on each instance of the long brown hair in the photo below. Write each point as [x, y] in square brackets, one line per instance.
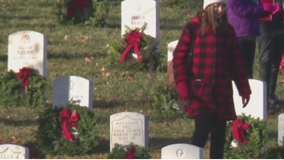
[208, 19]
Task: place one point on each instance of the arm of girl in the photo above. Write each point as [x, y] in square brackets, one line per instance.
[237, 69]
[180, 57]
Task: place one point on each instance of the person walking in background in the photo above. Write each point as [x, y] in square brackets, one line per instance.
[206, 86]
[244, 16]
[270, 46]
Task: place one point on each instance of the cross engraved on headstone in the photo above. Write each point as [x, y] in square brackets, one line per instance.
[71, 84]
[180, 153]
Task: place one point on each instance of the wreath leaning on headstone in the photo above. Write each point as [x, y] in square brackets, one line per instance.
[130, 151]
[25, 88]
[134, 51]
[90, 12]
[246, 138]
[70, 130]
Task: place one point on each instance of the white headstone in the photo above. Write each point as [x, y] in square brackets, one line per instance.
[27, 49]
[257, 106]
[12, 151]
[171, 47]
[76, 89]
[281, 129]
[182, 151]
[134, 13]
[127, 127]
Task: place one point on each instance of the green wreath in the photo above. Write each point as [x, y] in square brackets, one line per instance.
[50, 136]
[147, 47]
[130, 151]
[94, 10]
[256, 138]
[13, 94]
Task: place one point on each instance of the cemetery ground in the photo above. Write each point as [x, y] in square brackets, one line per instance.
[80, 50]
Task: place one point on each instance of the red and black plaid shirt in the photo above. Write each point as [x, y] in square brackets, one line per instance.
[216, 62]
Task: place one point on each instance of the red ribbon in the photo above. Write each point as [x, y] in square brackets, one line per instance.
[237, 130]
[130, 154]
[75, 4]
[68, 121]
[24, 74]
[281, 65]
[132, 39]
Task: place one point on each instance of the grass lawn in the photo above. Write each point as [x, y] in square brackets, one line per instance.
[82, 54]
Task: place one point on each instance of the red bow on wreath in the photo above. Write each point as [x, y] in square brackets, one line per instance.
[24, 74]
[74, 5]
[130, 154]
[237, 130]
[68, 121]
[132, 39]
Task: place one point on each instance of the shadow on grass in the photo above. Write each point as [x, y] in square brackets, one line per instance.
[35, 153]
[4, 58]
[158, 117]
[102, 148]
[158, 143]
[107, 104]
[272, 134]
[154, 144]
[68, 56]
[12, 122]
[276, 108]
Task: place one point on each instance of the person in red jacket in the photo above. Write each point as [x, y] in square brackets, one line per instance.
[207, 85]
[270, 47]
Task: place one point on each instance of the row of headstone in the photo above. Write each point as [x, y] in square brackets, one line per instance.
[125, 128]
[132, 127]
[29, 49]
[257, 106]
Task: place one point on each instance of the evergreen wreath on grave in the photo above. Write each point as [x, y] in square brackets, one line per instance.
[69, 130]
[130, 151]
[134, 51]
[25, 88]
[245, 138]
[90, 12]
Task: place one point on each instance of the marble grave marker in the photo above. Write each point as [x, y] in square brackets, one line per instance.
[127, 127]
[76, 89]
[12, 151]
[182, 151]
[27, 49]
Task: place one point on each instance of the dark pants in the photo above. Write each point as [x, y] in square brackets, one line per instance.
[248, 51]
[271, 48]
[205, 124]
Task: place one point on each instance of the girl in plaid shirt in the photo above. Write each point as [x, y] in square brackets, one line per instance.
[206, 86]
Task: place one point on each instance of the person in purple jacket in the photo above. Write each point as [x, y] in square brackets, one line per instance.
[244, 16]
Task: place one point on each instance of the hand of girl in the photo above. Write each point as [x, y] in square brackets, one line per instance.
[277, 8]
[245, 100]
[271, 8]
